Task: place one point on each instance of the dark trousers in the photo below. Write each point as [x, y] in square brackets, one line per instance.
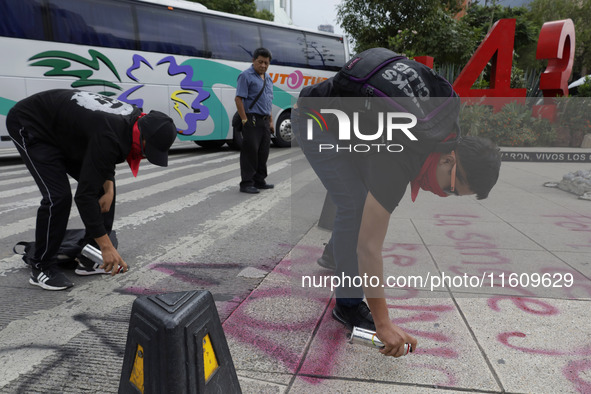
[50, 169]
[256, 139]
[346, 188]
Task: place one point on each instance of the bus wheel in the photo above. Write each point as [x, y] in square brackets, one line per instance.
[283, 133]
[213, 144]
[236, 142]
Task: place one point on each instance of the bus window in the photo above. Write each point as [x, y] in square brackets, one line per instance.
[92, 22]
[231, 40]
[170, 31]
[288, 47]
[324, 52]
[21, 19]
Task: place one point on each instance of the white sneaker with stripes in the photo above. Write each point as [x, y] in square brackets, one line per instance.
[88, 267]
[49, 279]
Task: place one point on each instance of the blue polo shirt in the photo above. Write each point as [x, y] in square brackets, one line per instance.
[248, 87]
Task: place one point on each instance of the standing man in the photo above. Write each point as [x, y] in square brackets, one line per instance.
[254, 102]
[71, 132]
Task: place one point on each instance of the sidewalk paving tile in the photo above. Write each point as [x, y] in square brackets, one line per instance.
[534, 345]
[472, 230]
[580, 261]
[323, 386]
[565, 233]
[510, 272]
[445, 349]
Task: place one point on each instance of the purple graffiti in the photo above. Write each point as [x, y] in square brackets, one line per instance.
[125, 97]
[137, 62]
[201, 112]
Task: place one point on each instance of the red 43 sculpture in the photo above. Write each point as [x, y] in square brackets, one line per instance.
[556, 43]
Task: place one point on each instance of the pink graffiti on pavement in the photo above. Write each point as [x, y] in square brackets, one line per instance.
[505, 337]
[573, 370]
[576, 223]
[329, 343]
[471, 243]
[529, 305]
[395, 254]
[453, 219]
[397, 258]
[263, 332]
[579, 281]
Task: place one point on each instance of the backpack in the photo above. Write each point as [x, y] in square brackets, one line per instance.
[68, 251]
[405, 86]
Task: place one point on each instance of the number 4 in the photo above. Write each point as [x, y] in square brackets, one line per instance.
[497, 47]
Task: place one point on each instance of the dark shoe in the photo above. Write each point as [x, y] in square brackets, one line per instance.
[327, 260]
[88, 267]
[49, 279]
[326, 263]
[354, 316]
[249, 189]
[265, 186]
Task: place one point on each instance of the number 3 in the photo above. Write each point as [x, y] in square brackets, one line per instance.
[557, 44]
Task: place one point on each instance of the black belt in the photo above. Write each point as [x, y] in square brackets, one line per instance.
[259, 116]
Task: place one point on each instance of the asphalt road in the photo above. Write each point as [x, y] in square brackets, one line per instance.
[184, 227]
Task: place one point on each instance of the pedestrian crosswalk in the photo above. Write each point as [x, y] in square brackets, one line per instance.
[191, 199]
[183, 227]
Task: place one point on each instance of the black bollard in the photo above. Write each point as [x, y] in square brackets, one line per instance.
[176, 344]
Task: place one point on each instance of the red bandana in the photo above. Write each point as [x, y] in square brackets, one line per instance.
[427, 178]
[135, 154]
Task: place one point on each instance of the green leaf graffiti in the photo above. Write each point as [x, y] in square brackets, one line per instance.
[62, 63]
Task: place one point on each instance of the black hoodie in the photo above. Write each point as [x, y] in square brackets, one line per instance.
[94, 133]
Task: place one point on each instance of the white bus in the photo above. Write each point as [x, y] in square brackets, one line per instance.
[174, 56]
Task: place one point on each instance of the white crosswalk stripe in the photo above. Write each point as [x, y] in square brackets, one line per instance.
[177, 214]
[188, 182]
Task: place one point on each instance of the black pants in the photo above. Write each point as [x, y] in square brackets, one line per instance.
[50, 169]
[256, 139]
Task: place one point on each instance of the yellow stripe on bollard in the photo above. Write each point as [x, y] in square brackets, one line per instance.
[210, 362]
[137, 373]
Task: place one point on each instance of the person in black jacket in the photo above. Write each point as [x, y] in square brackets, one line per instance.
[65, 132]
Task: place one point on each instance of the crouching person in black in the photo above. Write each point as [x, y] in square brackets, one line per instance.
[71, 132]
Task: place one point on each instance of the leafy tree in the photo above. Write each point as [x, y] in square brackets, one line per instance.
[429, 27]
[480, 19]
[412, 27]
[584, 90]
[580, 12]
[238, 7]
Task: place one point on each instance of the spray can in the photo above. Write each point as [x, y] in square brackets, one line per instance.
[361, 336]
[95, 255]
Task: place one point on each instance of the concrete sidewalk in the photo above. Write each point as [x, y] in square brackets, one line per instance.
[473, 335]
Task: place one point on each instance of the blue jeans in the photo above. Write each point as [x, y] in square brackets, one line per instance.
[345, 186]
